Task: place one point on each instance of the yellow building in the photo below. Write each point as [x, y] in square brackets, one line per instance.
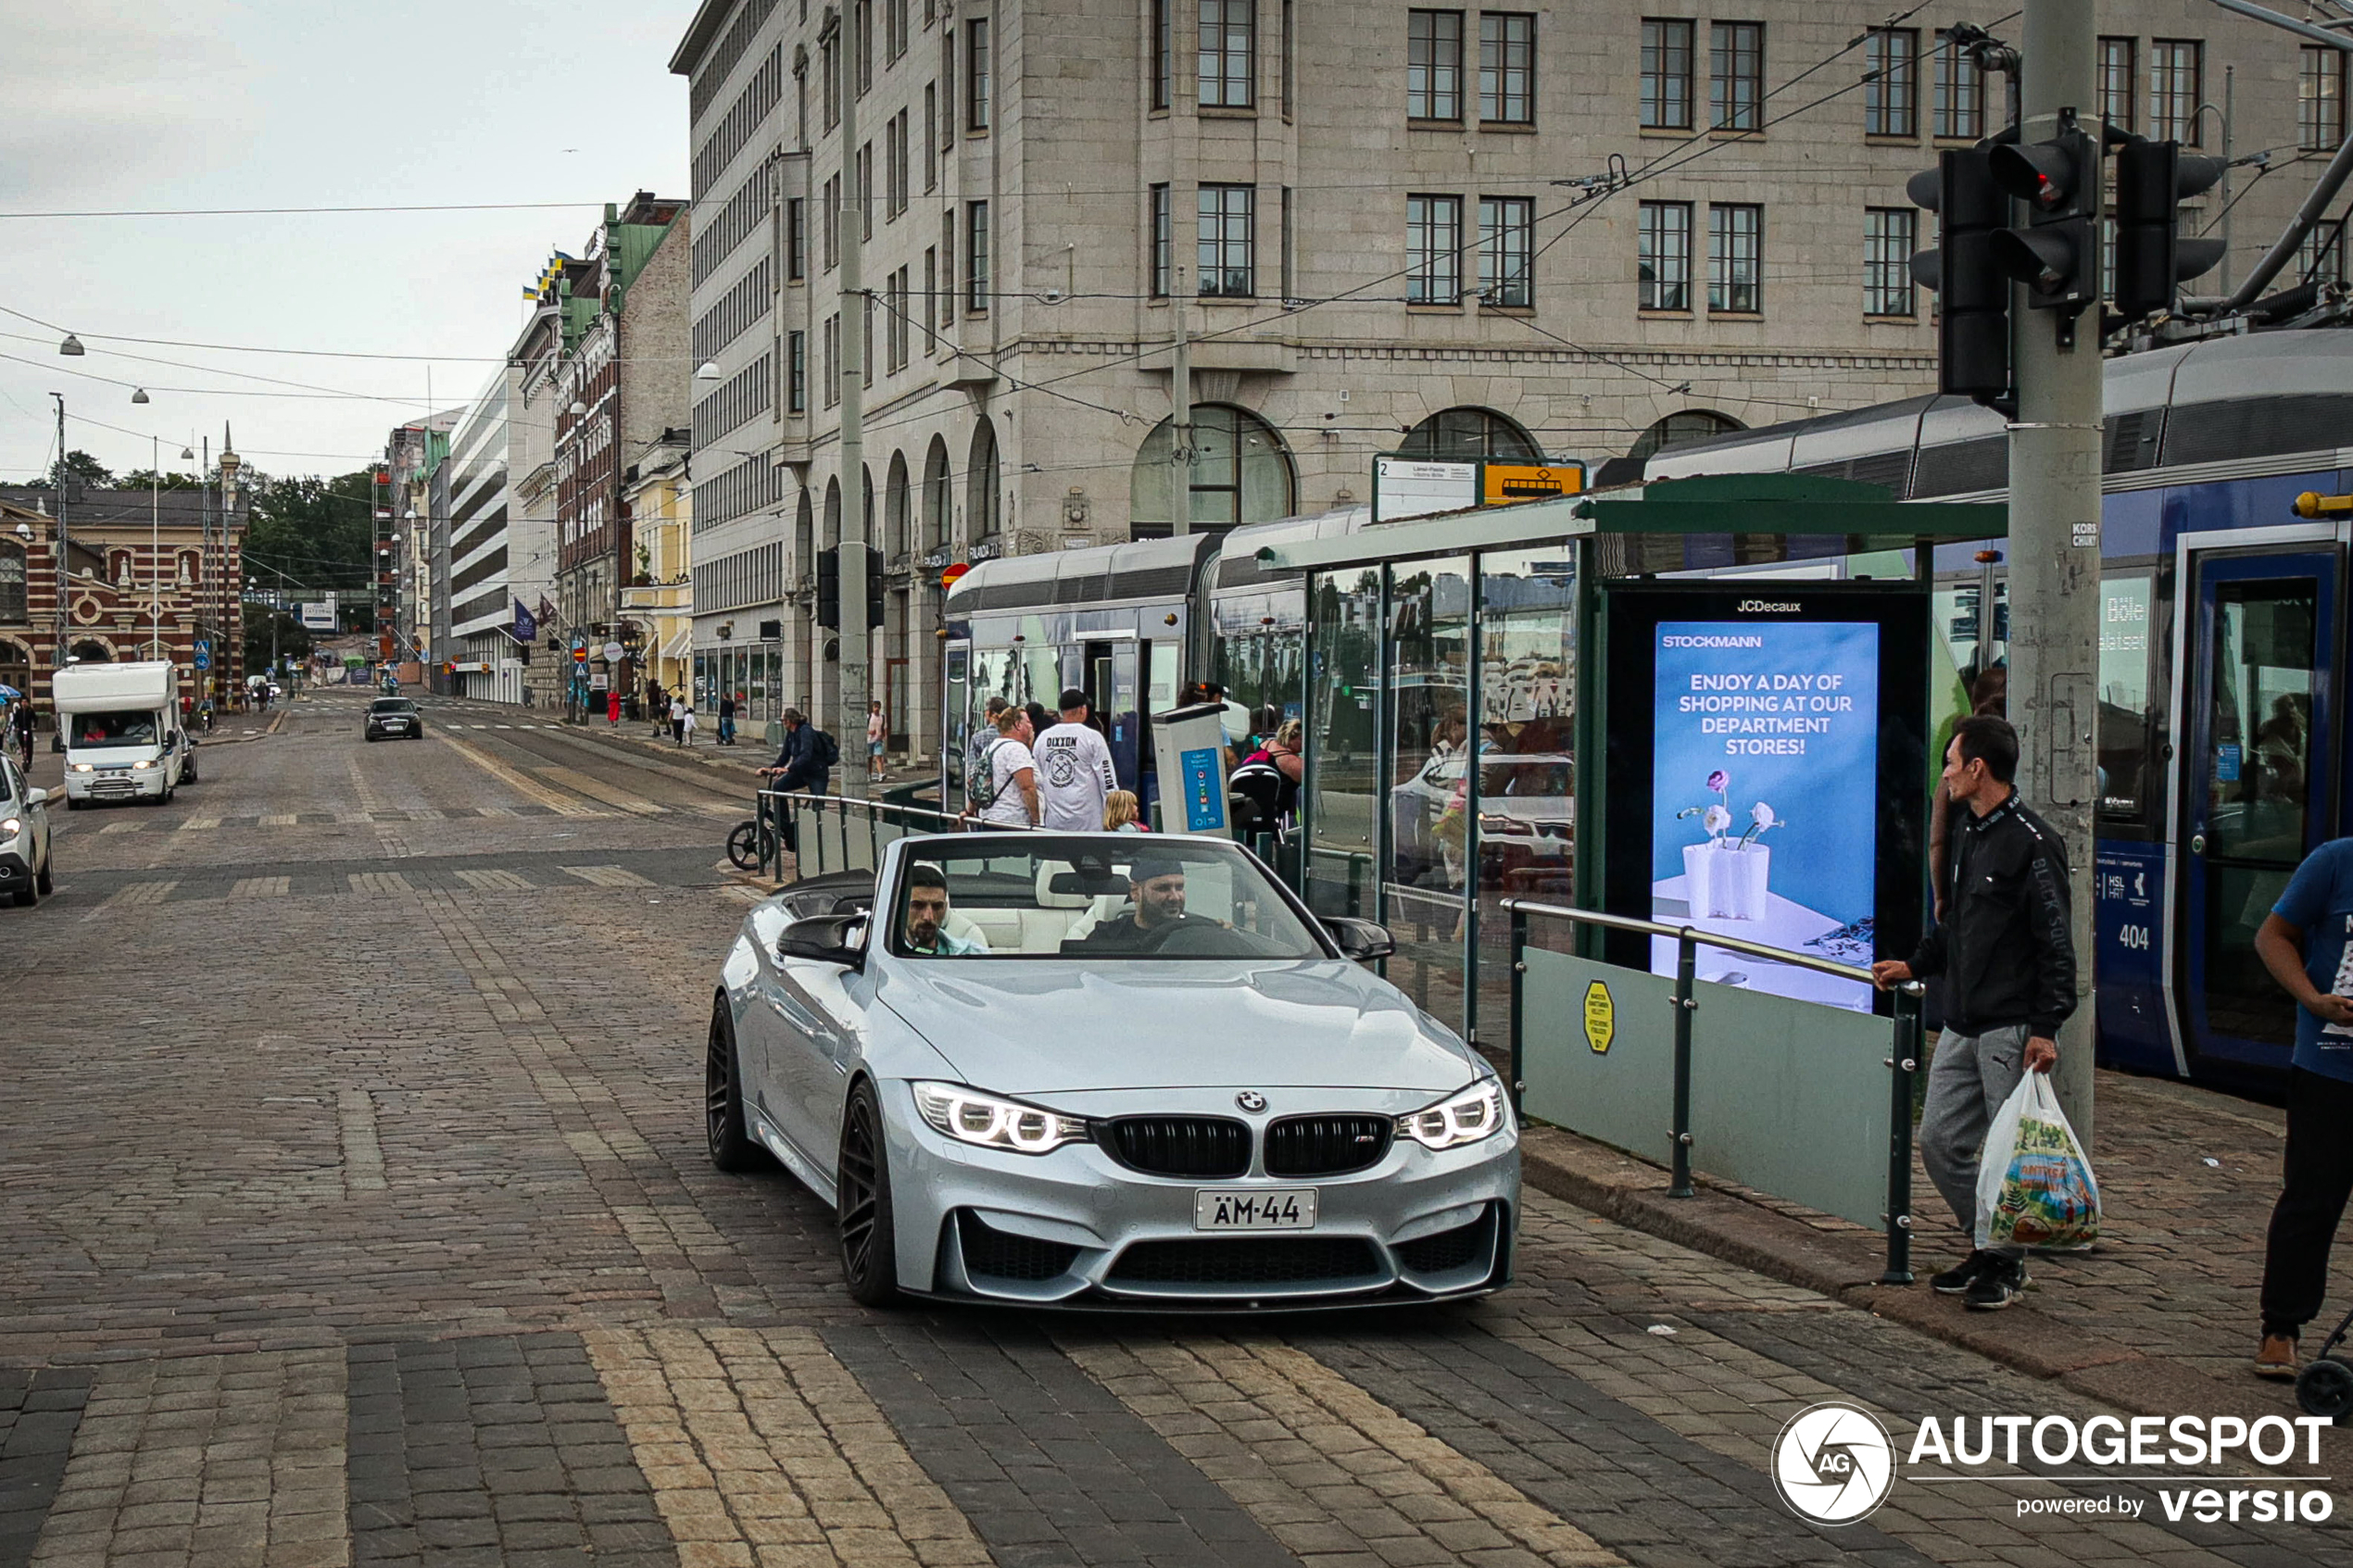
[656, 595]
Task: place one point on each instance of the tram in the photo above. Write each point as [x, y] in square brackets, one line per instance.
[2222, 754]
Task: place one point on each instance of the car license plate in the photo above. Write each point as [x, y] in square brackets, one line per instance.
[1290, 1209]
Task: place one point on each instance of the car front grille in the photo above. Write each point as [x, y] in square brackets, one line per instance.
[1448, 1251]
[1200, 1146]
[1242, 1262]
[1327, 1146]
[990, 1253]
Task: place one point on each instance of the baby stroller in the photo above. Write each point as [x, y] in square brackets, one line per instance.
[2325, 1386]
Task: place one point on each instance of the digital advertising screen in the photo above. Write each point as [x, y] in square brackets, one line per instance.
[1765, 777]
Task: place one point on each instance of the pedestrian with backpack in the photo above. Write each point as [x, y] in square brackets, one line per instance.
[806, 760]
[1002, 786]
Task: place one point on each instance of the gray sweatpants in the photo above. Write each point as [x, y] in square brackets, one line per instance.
[1967, 1082]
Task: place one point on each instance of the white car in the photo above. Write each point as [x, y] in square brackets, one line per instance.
[26, 847]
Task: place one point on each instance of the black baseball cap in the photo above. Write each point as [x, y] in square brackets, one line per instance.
[1148, 866]
[1072, 697]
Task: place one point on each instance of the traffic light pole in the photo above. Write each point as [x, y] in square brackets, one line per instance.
[856, 641]
[2055, 540]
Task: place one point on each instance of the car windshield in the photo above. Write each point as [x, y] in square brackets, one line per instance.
[1040, 897]
[127, 728]
[392, 705]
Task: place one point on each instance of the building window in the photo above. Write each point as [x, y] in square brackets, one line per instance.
[977, 74]
[895, 181]
[796, 372]
[931, 299]
[832, 359]
[2175, 69]
[2319, 99]
[1736, 76]
[1888, 244]
[1664, 256]
[832, 228]
[975, 257]
[1284, 43]
[947, 268]
[867, 339]
[1228, 71]
[894, 29]
[1666, 74]
[947, 89]
[829, 67]
[864, 21]
[1226, 242]
[1507, 67]
[1892, 83]
[1163, 54]
[2118, 70]
[1433, 250]
[1735, 257]
[1507, 250]
[1959, 106]
[866, 191]
[1283, 218]
[895, 330]
[2321, 259]
[796, 240]
[931, 136]
[14, 609]
[1433, 65]
[1162, 259]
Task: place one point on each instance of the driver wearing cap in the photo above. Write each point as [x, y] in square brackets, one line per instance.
[1156, 888]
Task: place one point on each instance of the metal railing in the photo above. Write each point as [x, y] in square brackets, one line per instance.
[801, 821]
[1902, 1062]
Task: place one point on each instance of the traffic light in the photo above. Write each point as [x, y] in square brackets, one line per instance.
[873, 588]
[1973, 309]
[829, 588]
[2056, 255]
[2152, 179]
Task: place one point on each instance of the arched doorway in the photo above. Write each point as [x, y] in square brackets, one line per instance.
[90, 651]
[940, 496]
[980, 490]
[1240, 473]
[898, 606]
[1463, 435]
[1685, 424]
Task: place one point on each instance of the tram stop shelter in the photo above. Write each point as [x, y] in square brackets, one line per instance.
[1704, 702]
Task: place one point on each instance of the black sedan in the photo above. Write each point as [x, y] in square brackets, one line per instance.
[393, 718]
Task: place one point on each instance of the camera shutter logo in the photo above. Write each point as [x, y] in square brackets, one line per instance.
[1834, 1463]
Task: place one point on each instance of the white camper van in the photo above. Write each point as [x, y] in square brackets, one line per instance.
[123, 737]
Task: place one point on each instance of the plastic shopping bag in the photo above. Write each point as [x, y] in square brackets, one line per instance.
[2034, 1186]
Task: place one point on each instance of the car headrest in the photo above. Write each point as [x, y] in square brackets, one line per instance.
[1052, 871]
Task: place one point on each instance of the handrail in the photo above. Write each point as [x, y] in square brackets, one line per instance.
[839, 801]
[1659, 928]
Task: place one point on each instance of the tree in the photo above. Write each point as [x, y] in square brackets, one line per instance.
[292, 641]
[142, 479]
[319, 532]
[81, 467]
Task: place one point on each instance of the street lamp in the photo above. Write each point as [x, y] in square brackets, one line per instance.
[72, 346]
[707, 371]
[139, 395]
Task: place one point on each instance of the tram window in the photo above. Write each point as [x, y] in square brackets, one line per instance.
[2128, 718]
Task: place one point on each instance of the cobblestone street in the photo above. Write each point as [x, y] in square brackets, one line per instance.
[357, 1212]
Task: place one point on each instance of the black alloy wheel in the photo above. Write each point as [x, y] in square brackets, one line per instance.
[722, 1096]
[869, 1235]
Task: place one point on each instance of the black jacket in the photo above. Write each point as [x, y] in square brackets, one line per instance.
[2004, 948]
[801, 758]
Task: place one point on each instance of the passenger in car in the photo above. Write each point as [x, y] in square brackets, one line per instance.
[1156, 890]
[927, 935]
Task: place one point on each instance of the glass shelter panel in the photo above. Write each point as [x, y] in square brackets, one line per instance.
[1343, 743]
[1426, 871]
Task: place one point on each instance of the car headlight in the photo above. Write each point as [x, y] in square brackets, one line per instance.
[1475, 1113]
[145, 763]
[85, 767]
[10, 827]
[972, 1117]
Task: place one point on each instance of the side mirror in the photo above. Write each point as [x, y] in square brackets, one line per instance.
[824, 939]
[36, 798]
[1362, 940]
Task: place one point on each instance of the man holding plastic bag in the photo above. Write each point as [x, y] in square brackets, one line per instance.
[2008, 964]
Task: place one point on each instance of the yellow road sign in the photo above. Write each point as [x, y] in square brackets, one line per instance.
[1503, 482]
[1601, 1017]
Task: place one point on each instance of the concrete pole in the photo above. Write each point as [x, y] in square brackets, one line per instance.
[857, 674]
[2055, 542]
[1180, 389]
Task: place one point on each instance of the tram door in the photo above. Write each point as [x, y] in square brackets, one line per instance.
[1110, 679]
[2258, 782]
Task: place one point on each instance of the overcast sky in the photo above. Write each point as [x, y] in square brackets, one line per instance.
[160, 103]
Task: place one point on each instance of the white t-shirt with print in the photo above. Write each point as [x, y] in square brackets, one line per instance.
[1075, 777]
[1008, 757]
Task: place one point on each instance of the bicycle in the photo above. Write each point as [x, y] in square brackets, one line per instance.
[751, 846]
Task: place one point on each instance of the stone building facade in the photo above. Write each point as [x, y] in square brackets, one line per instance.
[1533, 231]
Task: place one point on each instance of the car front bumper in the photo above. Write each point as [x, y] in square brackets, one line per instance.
[16, 871]
[1078, 1228]
[115, 783]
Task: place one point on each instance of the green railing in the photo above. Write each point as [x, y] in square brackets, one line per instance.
[1771, 1093]
[835, 832]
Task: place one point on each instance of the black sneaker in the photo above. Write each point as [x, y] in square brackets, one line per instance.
[1962, 1275]
[1997, 1287]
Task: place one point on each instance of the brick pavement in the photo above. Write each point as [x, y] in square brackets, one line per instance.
[368, 1221]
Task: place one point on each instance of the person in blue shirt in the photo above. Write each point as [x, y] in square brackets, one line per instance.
[2303, 943]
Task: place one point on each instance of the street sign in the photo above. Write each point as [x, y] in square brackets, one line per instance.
[204, 654]
[1503, 482]
[579, 650]
[318, 617]
[612, 653]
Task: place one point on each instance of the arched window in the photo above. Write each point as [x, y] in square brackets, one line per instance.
[119, 568]
[1686, 424]
[866, 504]
[1457, 436]
[940, 496]
[833, 514]
[91, 653]
[1240, 473]
[12, 586]
[804, 534]
[894, 540]
[980, 485]
[187, 567]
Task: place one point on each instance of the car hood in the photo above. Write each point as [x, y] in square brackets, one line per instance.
[1037, 1027]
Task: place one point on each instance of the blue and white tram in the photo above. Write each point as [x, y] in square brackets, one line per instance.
[2222, 735]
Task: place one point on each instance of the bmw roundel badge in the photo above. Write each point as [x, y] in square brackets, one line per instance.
[1251, 1100]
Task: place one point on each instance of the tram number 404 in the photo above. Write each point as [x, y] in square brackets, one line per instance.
[2133, 936]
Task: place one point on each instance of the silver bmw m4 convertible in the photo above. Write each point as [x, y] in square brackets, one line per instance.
[1106, 1071]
